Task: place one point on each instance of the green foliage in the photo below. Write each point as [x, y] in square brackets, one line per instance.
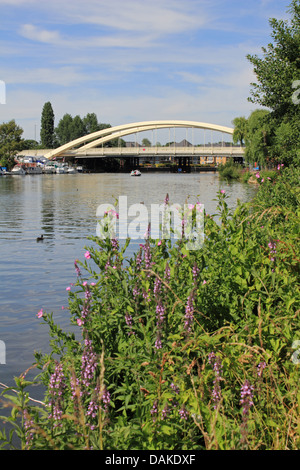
[10, 143]
[277, 138]
[47, 126]
[169, 337]
[230, 170]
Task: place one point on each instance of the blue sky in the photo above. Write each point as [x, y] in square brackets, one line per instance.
[131, 60]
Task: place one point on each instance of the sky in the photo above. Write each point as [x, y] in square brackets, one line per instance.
[131, 60]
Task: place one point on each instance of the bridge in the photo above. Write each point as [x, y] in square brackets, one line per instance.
[92, 145]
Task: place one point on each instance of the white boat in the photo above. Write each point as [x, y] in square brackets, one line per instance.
[79, 169]
[49, 168]
[18, 170]
[60, 170]
[135, 173]
[71, 170]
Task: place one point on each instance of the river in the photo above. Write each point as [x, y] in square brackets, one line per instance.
[35, 275]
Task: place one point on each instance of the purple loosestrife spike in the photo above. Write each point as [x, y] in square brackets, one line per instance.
[183, 413]
[77, 268]
[157, 286]
[154, 411]
[160, 313]
[56, 388]
[216, 364]
[175, 388]
[189, 313]
[260, 368]
[88, 364]
[246, 397]
[246, 401]
[28, 426]
[158, 344]
[195, 272]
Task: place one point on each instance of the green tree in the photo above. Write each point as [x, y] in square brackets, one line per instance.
[77, 128]
[10, 143]
[260, 134]
[90, 123]
[278, 73]
[47, 126]
[240, 130]
[63, 130]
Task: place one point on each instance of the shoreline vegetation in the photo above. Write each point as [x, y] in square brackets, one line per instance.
[177, 349]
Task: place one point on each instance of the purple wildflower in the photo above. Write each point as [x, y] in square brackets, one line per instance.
[77, 268]
[189, 313]
[28, 427]
[128, 320]
[88, 364]
[105, 399]
[57, 386]
[246, 397]
[175, 388]
[158, 344]
[160, 313]
[215, 362]
[115, 244]
[260, 368]
[246, 401]
[154, 411]
[195, 272]
[183, 413]
[272, 248]
[157, 286]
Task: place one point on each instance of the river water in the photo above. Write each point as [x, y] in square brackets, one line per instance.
[35, 275]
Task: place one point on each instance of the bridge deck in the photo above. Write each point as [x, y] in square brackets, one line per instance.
[155, 151]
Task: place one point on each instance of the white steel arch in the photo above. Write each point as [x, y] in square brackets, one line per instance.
[97, 138]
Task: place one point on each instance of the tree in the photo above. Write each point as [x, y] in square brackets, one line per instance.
[47, 126]
[278, 76]
[77, 128]
[90, 123]
[10, 142]
[146, 142]
[279, 67]
[240, 130]
[63, 130]
[259, 137]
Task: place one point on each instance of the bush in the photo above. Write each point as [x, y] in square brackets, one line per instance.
[179, 349]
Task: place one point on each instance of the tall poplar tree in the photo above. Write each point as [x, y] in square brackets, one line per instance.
[47, 126]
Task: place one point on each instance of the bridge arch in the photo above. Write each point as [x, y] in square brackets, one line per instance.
[98, 138]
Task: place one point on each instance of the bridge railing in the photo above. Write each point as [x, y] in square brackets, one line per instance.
[159, 151]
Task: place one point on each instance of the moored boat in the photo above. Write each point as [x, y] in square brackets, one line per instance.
[18, 170]
[135, 173]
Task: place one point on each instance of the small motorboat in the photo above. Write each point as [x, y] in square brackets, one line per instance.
[71, 170]
[135, 173]
[60, 170]
[18, 170]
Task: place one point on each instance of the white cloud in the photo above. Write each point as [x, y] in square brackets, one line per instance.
[34, 33]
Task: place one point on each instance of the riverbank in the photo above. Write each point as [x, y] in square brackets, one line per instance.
[185, 349]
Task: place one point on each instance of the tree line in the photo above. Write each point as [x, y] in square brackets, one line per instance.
[69, 128]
